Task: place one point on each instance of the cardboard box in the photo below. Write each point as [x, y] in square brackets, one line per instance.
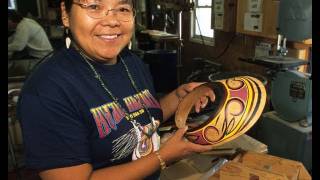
[252, 165]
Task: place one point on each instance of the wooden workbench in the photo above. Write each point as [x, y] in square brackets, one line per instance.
[197, 166]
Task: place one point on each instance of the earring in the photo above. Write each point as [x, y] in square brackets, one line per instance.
[68, 40]
[130, 45]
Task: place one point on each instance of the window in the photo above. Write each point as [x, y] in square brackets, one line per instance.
[201, 16]
[12, 4]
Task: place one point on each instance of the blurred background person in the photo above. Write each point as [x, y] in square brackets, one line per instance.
[27, 38]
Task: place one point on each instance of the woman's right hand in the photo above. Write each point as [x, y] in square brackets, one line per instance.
[177, 147]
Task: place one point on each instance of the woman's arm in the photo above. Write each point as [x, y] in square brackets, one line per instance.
[138, 169]
[170, 102]
[19, 38]
[175, 148]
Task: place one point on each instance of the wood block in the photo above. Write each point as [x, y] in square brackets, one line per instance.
[293, 170]
[237, 171]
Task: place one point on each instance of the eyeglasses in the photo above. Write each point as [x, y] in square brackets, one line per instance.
[97, 10]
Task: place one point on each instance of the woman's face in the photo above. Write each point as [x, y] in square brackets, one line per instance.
[103, 38]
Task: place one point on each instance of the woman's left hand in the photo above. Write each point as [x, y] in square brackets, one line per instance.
[184, 89]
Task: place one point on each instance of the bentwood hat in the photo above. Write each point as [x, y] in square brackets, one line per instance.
[239, 103]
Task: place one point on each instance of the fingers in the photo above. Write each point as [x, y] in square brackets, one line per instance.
[197, 106]
[201, 103]
[199, 148]
[211, 95]
[184, 89]
[190, 86]
[181, 91]
[180, 132]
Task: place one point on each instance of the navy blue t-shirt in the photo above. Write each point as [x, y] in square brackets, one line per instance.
[67, 118]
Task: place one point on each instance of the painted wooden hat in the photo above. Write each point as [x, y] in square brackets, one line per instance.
[239, 103]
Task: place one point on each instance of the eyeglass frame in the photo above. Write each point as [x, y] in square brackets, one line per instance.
[84, 6]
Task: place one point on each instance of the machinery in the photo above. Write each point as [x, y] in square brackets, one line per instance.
[287, 130]
[290, 86]
[167, 16]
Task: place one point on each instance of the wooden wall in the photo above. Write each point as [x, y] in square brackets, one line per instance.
[241, 46]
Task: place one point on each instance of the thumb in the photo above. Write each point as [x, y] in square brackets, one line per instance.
[181, 131]
[200, 148]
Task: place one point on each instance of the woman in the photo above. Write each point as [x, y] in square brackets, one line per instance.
[89, 112]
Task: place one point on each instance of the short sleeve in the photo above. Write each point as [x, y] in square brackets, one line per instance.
[20, 37]
[54, 135]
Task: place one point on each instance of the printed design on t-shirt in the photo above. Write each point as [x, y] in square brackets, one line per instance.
[147, 145]
[140, 146]
[124, 145]
[108, 115]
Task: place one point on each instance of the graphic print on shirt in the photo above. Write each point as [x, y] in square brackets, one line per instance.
[147, 145]
[124, 145]
[108, 115]
[140, 146]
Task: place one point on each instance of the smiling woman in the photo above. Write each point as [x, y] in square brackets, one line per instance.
[94, 110]
[95, 25]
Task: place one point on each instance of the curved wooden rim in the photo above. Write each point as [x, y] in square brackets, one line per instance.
[258, 99]
[189, 101]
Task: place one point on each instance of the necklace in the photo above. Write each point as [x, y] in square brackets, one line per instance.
[135, 124]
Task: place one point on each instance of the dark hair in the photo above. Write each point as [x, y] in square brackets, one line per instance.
[68, 4]
[14, 16]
